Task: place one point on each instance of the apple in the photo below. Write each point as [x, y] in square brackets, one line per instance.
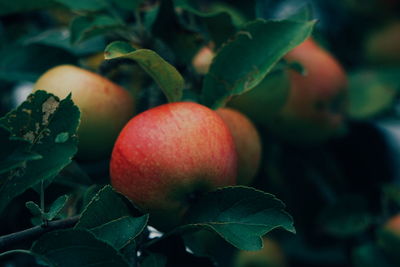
[105, 107]
[202, 60]
[262, 103]
[247, 143]
[389, 238]
[317, 100]
[383, 45]
[168, 156]
[271, 255]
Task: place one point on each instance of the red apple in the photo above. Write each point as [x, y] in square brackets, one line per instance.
[317, 100]
[167, 156]
[247, 143]
[105, 107]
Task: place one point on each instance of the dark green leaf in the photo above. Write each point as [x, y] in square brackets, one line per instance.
[392, 193]
[38, 121]
[243, 63]
[164, 74]
[18, 6]
[77, 247]
[219, 22]
[40, 259]
[83, 28]
[241, 215]
[154, 260]
[86, 5]
[56, 207]
[349, 216]
[118, 233]
[60, 38]
[34, 208]
[14, 152]
[105, 206]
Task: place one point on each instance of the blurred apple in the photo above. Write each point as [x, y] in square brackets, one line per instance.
[247, 143]
[202, 60]
[105, 107]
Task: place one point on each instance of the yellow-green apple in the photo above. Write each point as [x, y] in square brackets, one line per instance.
[317, 101]
[389, 238]
[202, 60]
[247, 143]
[167, 156]
[262, 103]
[383, 45]
[271, 255]
[105, 107]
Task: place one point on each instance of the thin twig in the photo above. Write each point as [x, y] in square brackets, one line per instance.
[9, 240]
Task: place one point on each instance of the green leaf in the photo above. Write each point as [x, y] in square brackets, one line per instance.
[219, 22]
[77, 247]
[39, 258]
[164, 74]
[118, 233]
[154, 260]
[347, 217]
[86, 5]
[83, 28]
[34, 208]
[242, 63]
[371, 93]
[105, 206]
[109, 217]
[19, 6]
[60, 38]
[38, 121]
[241, 215]
[14, 152]
[56, 207]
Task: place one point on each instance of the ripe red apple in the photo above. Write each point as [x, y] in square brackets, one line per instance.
[317, 101]
[105, 107]
[202, 60]
[247, 143]
[167, 156]
[271, 255]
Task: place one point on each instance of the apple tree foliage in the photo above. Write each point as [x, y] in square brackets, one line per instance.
[76, 217]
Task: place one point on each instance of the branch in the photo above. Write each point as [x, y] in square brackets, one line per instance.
[34, 232]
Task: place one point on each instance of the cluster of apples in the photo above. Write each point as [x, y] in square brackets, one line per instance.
[166, 157]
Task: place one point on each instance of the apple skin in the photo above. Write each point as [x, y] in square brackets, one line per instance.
[202, 60]
[271, 255]
[247, 143]
[317, 102]
[167, 156]
[383, 46]
[105, 107]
